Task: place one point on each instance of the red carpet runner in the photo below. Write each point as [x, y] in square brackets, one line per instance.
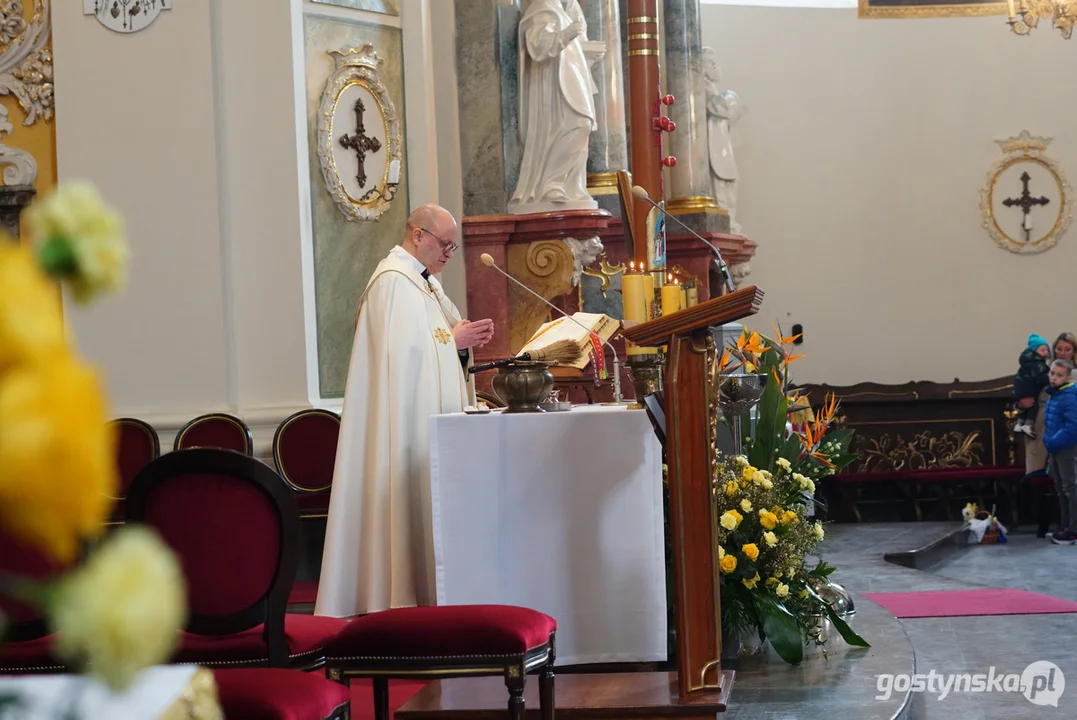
[967, 603]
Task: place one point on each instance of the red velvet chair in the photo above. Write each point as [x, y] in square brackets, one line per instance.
[278, 694]
[304, 451]
[216, 430]
[27, 642]
[233, 522]
[138, 445]
[448, 641]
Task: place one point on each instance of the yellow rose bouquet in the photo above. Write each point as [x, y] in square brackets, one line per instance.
[764, 502]
[120, 603]
[764, 538]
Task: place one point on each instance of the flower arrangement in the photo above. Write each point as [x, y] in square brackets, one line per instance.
[766, 500]
[120, 602]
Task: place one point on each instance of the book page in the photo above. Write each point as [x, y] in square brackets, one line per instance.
[564, 329]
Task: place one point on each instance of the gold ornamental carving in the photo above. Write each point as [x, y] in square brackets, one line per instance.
[605, 274]
[924, 451]
[360, 142]
[26, 58]
[545, 266]
[695, 204]
[1026, 202]
[866, 9]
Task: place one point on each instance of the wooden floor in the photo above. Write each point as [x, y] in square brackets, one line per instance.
[584, 696]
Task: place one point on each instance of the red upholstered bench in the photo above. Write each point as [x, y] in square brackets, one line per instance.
[280, 694]
[444, 642]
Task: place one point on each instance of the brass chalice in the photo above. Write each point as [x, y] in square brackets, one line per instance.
[523, 385]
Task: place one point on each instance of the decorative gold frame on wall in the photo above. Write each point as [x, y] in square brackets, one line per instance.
[358, 66]
[1026, 148]
[950, 9]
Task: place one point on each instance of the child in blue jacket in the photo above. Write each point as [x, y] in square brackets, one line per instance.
[1060, 439]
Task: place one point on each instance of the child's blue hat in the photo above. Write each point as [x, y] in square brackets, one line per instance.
[1034, 341]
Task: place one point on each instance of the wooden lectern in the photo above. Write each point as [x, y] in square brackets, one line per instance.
[691, 409]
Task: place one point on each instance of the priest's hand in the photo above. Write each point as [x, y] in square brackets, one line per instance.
[468, 333]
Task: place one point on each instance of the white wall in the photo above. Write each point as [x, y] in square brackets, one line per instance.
[189, 128]
[862, 155]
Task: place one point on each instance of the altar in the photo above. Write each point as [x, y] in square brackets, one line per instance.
[560, 512]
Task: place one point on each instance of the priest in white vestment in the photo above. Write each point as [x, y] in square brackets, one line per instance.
[406, 366]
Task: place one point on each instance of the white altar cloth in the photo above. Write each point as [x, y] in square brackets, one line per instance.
[559, 512]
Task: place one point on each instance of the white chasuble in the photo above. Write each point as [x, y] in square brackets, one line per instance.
[404, 369]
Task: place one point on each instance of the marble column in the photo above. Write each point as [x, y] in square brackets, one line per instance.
[480, 55]
[608, 146]
[689, 189]
[13, 199]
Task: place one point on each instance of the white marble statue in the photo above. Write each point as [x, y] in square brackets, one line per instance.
[556, 109]
[584, 252]
[723, 109]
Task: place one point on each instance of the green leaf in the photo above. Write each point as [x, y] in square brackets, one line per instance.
[57, 257]
[846, 632]
[781, 628]
[769, 425]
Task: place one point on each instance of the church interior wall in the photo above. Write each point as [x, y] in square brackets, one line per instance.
[196, 129]
[862, 155]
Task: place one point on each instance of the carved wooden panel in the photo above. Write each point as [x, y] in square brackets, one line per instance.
[926, 425]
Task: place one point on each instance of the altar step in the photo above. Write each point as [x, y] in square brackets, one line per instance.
[584, 696]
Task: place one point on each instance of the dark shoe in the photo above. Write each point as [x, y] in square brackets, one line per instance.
[1064, 537]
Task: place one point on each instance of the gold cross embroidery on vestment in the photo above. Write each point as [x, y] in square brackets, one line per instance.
[442, 336]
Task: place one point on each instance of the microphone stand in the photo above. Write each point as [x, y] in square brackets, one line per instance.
[721, 262]
[617, 397]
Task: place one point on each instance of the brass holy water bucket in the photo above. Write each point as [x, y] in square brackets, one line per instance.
[522, 385]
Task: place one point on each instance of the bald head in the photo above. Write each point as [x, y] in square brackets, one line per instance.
[431, 217]
[430, 236]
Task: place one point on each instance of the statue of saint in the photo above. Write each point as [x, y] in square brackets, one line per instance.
[723, 109]
[556, 109]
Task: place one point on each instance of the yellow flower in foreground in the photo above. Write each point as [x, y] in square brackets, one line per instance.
[770, 538]
[57, 455]
[751, 582]
[728, 563]
[731, 488]
[122, 611]
[80, 238]
[746, 505]
[789, 517]
[31, 317]
[782, 590]
[730, 519]
[768, 519]
[721, 552]
[818, 530]
[751, 551]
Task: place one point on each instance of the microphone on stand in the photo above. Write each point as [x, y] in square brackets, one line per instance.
[488, 260]
[640, 193]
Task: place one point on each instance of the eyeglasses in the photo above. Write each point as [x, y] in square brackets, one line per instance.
[446, 245]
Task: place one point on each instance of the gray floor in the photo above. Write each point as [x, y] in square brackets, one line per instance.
[968, 644]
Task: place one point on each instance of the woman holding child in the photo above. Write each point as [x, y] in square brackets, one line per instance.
[1035, 402]
[1052, 435]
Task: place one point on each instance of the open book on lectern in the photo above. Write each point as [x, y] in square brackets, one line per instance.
[563, 329]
